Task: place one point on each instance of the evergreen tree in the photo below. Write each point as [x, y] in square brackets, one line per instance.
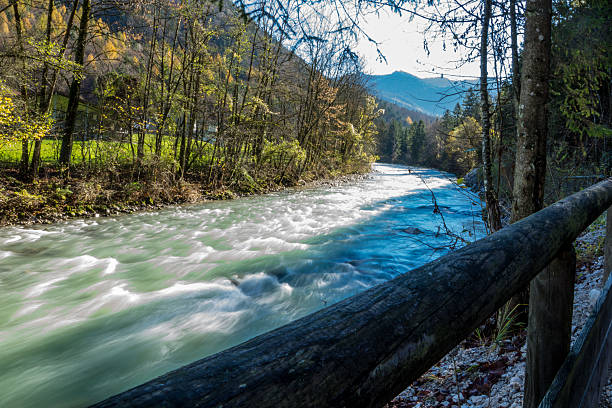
[385, 141]
[471, 105]
[457, 113]
[418, 140]
[406, 140]
[395, 134]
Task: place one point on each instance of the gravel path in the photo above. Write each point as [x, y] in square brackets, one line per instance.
[479, 373]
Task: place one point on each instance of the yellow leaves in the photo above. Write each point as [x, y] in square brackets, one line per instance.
[57, 20]
[110, 50]
[258, 104]
[209, 75]
[91, 60]
[4, 29]
[464, 141]
[61, 11]
[468, 131]
[41, 23]
[102, 26]
[50, 54]
[15, 124]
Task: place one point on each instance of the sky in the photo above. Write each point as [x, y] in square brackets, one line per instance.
[401, 41]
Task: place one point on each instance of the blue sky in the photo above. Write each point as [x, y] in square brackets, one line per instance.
[401, 41]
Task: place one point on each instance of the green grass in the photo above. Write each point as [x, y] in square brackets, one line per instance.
[60, 103]
[111, 152]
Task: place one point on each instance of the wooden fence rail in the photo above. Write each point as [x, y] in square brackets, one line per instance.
[364, 350]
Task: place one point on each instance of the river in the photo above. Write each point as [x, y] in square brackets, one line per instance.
[90, 308]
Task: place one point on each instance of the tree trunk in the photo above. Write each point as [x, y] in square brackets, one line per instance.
[520, 300]
[166, 103]
[532, 114]
[493, 218]
[552, 289]
[43, 106]
[23, 167]
[75, 87]
[25, 152]
[49, 94]
[62, 50]
[516, 75]
[142, 131]
[608, 247]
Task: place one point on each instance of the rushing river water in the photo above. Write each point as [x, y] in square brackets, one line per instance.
[89, 308]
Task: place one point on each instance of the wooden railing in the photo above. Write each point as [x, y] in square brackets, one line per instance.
[364, 350]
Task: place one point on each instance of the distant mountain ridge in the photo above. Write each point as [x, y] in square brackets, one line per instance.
[431, 96]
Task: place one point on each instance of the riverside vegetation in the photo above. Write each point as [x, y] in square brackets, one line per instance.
[107, 106]
[112, 106]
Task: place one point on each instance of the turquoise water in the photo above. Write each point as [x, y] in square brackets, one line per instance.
[90, 308]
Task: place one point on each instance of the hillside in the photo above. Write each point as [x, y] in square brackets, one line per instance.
[431, 96]
[167, 103]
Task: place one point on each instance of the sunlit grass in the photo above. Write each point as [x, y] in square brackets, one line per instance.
[102, 151]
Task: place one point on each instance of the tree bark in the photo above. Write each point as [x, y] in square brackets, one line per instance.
[144, 118]
[493, 218]
[516, 74]
[75, 87]
[533, 114]
[608, 247]
[23, 167]
[548, 347]
[43, 106]
[520, 301]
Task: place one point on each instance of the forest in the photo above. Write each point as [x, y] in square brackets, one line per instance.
[119, 105]
[137, 103]
[146, 102]
[579, 143]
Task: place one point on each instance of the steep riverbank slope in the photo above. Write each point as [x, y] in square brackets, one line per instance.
[52, 199]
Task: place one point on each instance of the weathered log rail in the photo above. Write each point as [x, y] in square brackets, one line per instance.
[363, 351]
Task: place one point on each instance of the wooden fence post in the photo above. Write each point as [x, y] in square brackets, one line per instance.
[551, 299]
[583, 375]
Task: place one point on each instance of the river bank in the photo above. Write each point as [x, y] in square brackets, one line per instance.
[490, 372]
[53, 199]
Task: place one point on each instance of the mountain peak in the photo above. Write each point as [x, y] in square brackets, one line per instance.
[403, 73]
